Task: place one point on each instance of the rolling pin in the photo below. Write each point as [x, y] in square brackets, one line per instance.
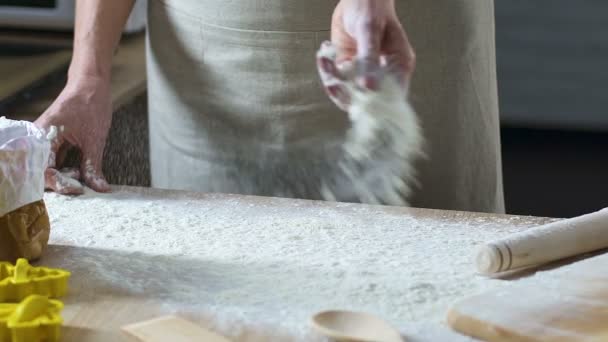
[546, 243]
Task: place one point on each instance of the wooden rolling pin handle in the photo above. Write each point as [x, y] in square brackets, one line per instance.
[546, 243]
[494, 258]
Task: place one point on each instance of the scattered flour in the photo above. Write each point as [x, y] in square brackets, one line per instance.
[371, 161]
[64, 181]
[253, 261]
[91, 175]
[52, 134]
[384, 140]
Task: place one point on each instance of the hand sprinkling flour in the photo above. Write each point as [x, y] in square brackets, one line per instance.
[385, 138]
[372, 161]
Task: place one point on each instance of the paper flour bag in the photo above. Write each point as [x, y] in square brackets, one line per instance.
[24, 222]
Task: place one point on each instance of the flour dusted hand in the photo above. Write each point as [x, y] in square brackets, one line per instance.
[376, 162]
[83, 114]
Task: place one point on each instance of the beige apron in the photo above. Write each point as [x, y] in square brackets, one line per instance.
[234, 96]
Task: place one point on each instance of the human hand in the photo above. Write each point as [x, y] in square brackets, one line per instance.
[340, 80]
[82, 114]
[369, 32]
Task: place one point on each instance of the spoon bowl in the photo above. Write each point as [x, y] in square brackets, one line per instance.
[354, 326]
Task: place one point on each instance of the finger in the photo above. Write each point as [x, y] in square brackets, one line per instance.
[342, 41]
[347, 68]
[70, 172]
[332, 77]
[369, 37]
[328, 50]
[61, 184]
[334, 83]
[91, 172]
[397, 45]
[340, 95]
[328, 70]
[329, 64]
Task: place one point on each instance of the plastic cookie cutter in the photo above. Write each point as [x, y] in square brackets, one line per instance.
[22, 280]
[35, 319]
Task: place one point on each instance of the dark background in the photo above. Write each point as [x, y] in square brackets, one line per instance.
[553, 85]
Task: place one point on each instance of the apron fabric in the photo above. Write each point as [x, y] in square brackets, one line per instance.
[234, 97]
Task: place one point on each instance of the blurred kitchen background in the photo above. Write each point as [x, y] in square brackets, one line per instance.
[553, 86]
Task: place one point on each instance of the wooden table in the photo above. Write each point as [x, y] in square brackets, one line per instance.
[407, 265]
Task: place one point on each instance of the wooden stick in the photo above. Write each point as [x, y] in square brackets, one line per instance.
[546, 243]
[171, 328]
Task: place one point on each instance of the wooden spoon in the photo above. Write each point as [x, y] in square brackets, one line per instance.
[171, 328]
[354, 326]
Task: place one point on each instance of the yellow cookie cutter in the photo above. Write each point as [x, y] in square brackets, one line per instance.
[35, 319]
[22, 280]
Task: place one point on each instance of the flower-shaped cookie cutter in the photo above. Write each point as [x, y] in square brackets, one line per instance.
[35, 319]
[22, 280]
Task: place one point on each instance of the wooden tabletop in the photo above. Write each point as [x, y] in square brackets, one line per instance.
[412, 263]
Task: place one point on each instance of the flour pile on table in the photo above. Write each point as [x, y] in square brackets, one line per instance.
[270, 262]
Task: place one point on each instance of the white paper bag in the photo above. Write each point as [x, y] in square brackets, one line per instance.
[24, 154]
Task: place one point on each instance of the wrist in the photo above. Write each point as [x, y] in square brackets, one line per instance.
[86, 86]
[87, 79]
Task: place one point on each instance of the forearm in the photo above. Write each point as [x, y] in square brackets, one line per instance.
[98, 28]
